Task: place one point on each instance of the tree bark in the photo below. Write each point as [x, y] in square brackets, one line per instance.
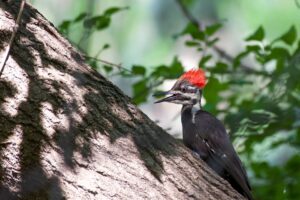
[66, 132]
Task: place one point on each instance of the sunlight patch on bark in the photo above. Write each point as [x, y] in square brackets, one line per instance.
[18, 80]
[48, 119]
[10, 157]
[74, 107]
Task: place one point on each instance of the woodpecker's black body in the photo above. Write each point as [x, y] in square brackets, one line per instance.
[204, 134]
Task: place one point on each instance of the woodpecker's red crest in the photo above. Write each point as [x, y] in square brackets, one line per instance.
[195, 77]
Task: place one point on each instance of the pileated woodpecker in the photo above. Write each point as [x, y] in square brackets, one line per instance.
[204, 134]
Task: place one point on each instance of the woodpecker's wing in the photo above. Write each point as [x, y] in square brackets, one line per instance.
[221, 154]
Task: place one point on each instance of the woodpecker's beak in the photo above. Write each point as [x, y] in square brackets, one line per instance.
[173, 96]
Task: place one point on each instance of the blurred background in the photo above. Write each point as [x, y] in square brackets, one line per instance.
[249, 49]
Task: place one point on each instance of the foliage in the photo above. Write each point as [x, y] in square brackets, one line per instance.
[258, 102]
[98, 22]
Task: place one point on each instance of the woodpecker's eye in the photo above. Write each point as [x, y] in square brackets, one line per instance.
[183, 89]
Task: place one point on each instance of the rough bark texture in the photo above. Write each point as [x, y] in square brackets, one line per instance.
[68, 133]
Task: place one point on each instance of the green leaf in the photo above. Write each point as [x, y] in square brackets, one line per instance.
[108, 68]
[140, 91]
[64, 26]
[80, 17]
[191, 43]
[103, 23]
[238, 58]
[160, 71]
[93, 64]
[194, 31]
[220, 68]
[175, 69]
[290, 36]
[212, 42]
[278, 53]
[210, 30]
[168, 72]
[253, 48]
[105, 46]
[138, 70]
[258, 35]
[90, 23]
[204, 60]
[293, 163]
[159, 93]
[114, 10]
[211, 92]
[98, 22]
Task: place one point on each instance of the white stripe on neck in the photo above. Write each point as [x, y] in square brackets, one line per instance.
[195, 109]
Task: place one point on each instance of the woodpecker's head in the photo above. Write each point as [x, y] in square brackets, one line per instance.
[187, 90]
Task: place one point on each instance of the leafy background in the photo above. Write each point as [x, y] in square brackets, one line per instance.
[250, 50]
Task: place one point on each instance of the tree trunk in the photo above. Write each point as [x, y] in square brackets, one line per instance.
[66, 132]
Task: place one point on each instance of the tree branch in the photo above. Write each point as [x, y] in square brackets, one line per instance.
[222, 53]
[188, 14]
[119, 66]
[6, 54]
